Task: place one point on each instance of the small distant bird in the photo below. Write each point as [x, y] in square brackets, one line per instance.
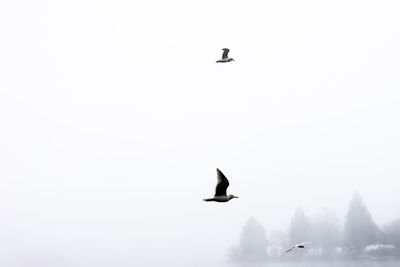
[220, 190]
[225, 58]
[302, 245]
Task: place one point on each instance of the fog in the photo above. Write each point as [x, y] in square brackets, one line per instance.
[114, 117]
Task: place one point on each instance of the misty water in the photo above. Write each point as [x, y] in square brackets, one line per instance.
[316, 264]
[335, 264]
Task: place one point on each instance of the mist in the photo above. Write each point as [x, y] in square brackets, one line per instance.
[114, 117]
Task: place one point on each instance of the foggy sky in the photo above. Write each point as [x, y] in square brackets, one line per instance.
[114, 116]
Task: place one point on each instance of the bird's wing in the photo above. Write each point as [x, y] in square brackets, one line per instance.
[225, 54]
[305, 243]
[222, 184]
[290, 249]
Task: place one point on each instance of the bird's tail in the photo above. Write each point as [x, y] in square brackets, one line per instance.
[207, 199]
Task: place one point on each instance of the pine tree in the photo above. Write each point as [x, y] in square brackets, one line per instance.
[392, 232]
[359, 230]
[253, 243]
[300, 228]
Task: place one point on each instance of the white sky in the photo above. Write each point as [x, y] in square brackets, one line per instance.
[114, 116]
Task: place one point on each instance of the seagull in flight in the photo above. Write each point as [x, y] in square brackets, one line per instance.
[302, 245]
[220, 190]
[225, 58]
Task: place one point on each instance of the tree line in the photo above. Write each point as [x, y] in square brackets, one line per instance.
[358, 238]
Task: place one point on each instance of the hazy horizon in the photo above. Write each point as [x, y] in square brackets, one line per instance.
[114, 117]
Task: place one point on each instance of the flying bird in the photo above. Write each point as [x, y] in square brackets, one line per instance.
[220, 190]
[225, 57]
[302, 245]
